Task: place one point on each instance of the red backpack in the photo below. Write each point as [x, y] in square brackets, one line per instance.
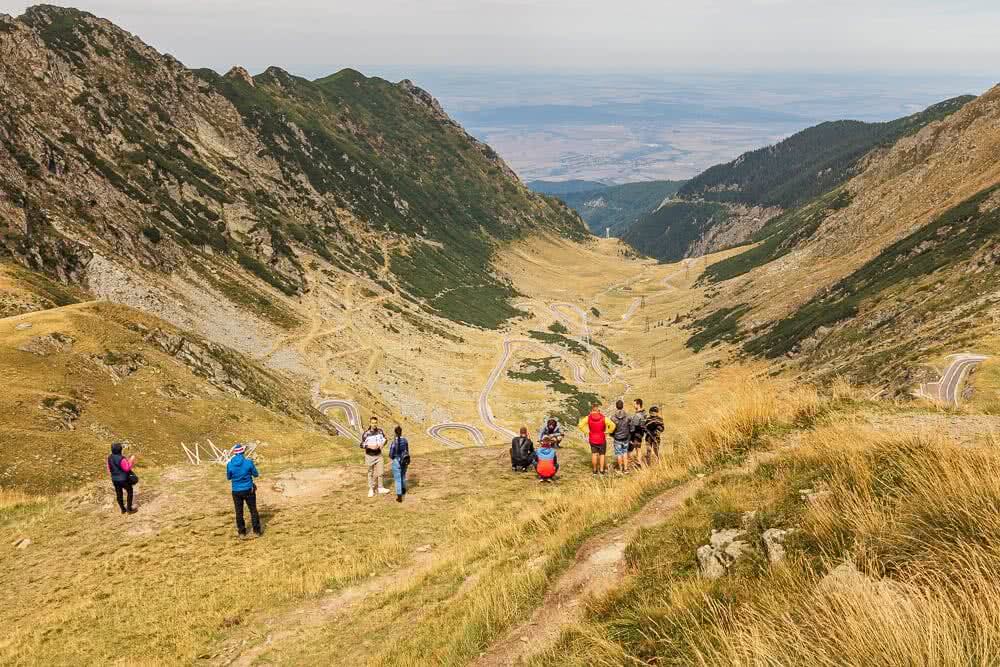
[598, 435]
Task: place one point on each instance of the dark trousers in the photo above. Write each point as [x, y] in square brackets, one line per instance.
[127, 488]
[250, 498]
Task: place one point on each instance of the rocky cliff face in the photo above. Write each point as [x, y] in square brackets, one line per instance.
[158, 186]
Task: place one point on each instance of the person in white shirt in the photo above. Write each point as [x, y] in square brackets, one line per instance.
[372, 442]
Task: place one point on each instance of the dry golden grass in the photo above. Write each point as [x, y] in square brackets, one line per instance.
[731, 413]
[918, 517]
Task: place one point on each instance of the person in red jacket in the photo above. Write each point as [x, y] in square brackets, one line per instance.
[597, 427]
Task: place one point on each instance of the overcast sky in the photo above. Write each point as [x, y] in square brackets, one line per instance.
[625, 35]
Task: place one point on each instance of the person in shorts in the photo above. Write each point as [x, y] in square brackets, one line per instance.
[597, 427]
[620, 436]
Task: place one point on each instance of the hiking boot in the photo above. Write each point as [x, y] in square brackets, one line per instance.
[383, 490]
[371, 493]
[399, 497]
[131, 510]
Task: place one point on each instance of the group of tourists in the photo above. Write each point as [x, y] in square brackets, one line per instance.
[241, 473]
[628, 434]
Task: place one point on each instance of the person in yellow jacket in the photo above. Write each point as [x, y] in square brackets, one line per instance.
[597, 427]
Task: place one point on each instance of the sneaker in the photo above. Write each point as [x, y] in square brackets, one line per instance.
[131, 510]
[383, 490]
[594, 473]
[241, 536]
[371, 493]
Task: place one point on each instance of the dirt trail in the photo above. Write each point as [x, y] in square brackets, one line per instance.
[563, 604]
[280, 629]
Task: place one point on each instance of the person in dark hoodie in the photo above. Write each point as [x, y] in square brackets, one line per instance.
[241, 472]
[122, 477]
[522, 451]
[399, 455]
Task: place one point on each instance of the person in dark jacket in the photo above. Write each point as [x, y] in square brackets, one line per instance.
[522, 451]
[654, 429]
[241, 472]
[122, 477]
[399, 455]
[621, 435]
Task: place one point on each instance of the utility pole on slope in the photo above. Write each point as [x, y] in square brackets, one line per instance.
[642, 302]
[647, 324]
[652, 368]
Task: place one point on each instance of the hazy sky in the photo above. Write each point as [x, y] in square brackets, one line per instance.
[730, 35]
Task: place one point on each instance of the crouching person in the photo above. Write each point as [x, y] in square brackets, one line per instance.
[522, 452]
[241, 471]
[546, 462]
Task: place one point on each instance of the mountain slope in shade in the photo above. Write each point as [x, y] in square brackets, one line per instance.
[613, 209]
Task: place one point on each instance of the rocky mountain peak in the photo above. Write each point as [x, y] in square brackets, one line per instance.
[239, 73]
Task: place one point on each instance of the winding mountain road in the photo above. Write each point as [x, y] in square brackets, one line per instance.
[947, 388]
[435, 433]
[350, 409]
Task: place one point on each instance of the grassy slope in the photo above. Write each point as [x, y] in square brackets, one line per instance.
[483, 525]
[945, 245]
[908, 511]
[82, 376]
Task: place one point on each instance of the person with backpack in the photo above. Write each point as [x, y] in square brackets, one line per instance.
[621, 435]
[553, 431]
[522, 452]
[372, 442]
[597, 427]
[123, 477]
[637, 431]
[241, 471]
[399, 456]
[546, 462]
[654, 428]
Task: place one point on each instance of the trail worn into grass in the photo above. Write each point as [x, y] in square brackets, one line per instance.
[587, 576]
[280, 629]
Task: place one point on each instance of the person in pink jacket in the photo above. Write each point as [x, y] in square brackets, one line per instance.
[123, 477]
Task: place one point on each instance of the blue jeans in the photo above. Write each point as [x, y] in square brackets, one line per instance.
[399, 475]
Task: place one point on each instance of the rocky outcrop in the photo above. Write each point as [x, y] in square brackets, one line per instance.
[724, 548]
[739, 225]
[774, 543]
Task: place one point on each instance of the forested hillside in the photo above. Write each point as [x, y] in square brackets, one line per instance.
[790, 178]
[614, 208]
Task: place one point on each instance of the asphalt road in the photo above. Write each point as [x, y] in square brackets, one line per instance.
[435, 433]
[350, 409]
[948, 388]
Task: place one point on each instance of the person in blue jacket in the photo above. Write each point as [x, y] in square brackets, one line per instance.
[399, 455]
[546, 462]
[241, 472]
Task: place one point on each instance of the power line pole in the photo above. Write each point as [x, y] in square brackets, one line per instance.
[652, 368]
[647, 324]
[642, 302]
